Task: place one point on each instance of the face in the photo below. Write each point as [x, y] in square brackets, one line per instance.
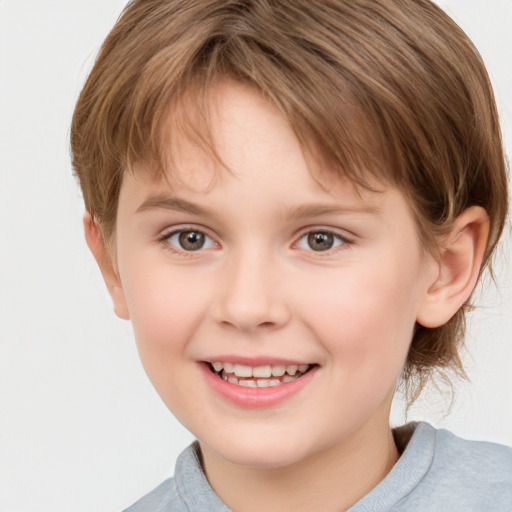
[272, 314]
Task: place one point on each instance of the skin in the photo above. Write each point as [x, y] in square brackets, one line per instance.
[258, 289]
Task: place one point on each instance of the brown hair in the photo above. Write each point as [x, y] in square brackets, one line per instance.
[400, 70]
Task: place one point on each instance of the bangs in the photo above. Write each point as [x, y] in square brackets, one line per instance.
[336, 134]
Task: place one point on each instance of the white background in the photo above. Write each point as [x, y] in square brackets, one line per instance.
[81, 429]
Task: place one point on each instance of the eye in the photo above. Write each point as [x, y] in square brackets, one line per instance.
[189, 240]
[320, 241]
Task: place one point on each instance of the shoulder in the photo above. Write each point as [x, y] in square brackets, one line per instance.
[476, 462]
[474, 453]
[187, 491]
[440, 471]
[164, 498]
[462, 474]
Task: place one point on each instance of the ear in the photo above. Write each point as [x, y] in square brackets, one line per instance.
[458, 268]
[94, 239]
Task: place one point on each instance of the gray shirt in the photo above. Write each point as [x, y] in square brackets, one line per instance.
[437, 471]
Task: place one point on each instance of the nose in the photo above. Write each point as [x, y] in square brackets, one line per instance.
[251, 295]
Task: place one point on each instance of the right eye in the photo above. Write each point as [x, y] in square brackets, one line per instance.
[189, 240]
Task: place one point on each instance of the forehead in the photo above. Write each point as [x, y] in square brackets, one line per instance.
[232, 128]
[255, 157]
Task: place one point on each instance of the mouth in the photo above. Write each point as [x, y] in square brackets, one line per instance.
[264, 376]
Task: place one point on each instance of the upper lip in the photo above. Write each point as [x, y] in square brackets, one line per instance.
[254, 361]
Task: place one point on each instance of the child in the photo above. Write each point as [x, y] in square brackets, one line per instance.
[292, 202]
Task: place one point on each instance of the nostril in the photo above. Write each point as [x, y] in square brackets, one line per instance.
[249, 326]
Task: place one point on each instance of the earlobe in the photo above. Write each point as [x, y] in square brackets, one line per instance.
[462, 253]
[96, 245]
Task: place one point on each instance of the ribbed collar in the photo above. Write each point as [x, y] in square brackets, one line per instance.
[192, 484]
[407, 473]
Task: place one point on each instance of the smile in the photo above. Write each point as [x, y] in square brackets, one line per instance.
[259, 385]
[258, 376]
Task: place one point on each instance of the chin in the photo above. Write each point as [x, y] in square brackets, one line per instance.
[264, 453]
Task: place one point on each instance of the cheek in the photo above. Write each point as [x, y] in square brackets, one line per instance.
[366, 318]
[165, 308]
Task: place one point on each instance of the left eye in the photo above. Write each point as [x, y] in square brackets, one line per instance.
[190, 240]
[320, 241]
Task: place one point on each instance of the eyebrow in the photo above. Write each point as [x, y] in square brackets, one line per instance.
[172, 203]
[298, 212]
[314, 210]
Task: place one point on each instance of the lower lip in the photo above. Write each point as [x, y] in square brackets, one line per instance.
[253, 398]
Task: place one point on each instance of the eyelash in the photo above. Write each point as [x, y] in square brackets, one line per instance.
[165, 240]
[341, 242]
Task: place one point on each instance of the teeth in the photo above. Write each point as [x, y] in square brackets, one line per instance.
[262, 371]
[259, 376]
[291, 369]
[278, 370]
[247, 383]
[217, 366]
[242, 371]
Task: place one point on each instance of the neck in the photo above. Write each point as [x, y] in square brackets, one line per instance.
[337, 477]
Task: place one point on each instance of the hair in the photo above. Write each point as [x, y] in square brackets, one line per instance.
[385, 89]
